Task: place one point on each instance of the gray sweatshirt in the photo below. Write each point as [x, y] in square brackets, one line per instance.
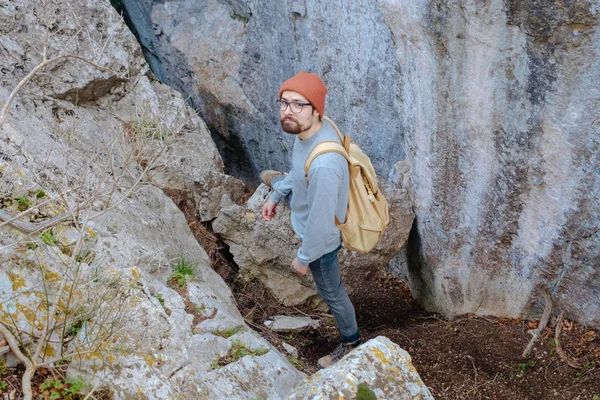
[314, 205]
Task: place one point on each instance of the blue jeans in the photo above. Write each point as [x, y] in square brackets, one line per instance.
[328, 279]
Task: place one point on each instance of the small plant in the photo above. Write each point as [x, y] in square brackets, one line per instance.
[48, 238]
[296, 363]
[596, 397]
[226, 333]
[3, 385]
[183, 273]
[586, 367]
[39, 194]
[69, 389]
[23, 203]
[160, 299]
[149, 128]
[364, 392]
[237, 351]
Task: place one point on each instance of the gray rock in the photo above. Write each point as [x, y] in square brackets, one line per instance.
[80, 146]
[286, 323]
[381, 364]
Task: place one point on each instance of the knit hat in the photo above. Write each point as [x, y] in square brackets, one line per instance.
[310, 86]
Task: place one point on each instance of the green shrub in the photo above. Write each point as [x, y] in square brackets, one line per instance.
[183, 272]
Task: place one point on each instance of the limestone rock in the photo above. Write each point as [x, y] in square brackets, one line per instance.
[265, 249]
[213, 191]
[286, 323]
[381, 364]
[100, 158]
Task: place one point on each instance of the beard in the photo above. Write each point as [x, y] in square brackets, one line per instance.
[290, 125]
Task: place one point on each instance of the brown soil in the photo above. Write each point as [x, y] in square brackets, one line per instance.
[468, 358]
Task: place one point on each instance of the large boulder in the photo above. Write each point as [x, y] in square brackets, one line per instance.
[494, 105]
[381, 365]
[500, 106]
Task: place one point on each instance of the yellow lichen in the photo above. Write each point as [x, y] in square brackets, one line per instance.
[51, 276]
[135, 272]
[49, 351]
[17, 281]
[380, 355]
[91, 232]
[150, 360]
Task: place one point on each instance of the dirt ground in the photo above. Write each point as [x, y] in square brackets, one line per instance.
[467, 358]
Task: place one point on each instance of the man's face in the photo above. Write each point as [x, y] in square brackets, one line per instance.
[296, 123]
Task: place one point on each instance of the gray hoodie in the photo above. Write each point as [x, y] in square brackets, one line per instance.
[314, 205]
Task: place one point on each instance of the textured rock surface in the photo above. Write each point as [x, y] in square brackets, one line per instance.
[501, 102]
[267, 248]
[79, 134]
[381, 364]
[237, 54]
[494, 104]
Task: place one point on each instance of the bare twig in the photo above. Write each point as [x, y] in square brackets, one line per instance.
[543, 322]
[559, 350]
[29, 366]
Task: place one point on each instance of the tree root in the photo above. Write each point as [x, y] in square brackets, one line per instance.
[561, 353]
[543, 322]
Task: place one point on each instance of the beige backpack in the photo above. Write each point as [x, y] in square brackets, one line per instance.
[367, 215]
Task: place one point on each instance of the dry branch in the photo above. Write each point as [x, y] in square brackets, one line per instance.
[543, 322]
[561, 353]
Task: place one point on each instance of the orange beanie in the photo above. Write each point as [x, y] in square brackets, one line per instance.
[310, 86]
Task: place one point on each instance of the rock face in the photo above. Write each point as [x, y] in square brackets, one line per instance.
[237, 54]
[494, 104]
[98, 145]
[501, 102]
[383, 366]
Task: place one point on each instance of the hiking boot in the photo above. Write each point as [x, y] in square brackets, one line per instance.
[338, 353]
[267, 176]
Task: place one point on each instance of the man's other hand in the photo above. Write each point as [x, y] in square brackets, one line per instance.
[299, 268]
[268, 210]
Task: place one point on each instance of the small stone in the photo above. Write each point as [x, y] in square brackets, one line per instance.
[284, 323]
[291, 350]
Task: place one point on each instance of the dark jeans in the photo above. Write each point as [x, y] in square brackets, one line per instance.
[328, 279]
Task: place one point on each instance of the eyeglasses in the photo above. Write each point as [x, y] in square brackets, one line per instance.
[295, 107]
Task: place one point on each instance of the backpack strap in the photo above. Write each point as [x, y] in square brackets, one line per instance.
[345, 140]
[321, 148]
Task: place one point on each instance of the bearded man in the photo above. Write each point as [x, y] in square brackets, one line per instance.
[314, 206]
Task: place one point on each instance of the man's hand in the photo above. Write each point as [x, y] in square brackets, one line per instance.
[268, 210]
[299, 268]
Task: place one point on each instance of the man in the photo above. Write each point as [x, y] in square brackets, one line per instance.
[315, 203]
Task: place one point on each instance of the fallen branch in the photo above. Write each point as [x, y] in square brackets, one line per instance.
[543, 322]
[561, 353]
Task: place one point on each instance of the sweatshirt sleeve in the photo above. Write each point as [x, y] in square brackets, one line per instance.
[323, 189]
[281, 189]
